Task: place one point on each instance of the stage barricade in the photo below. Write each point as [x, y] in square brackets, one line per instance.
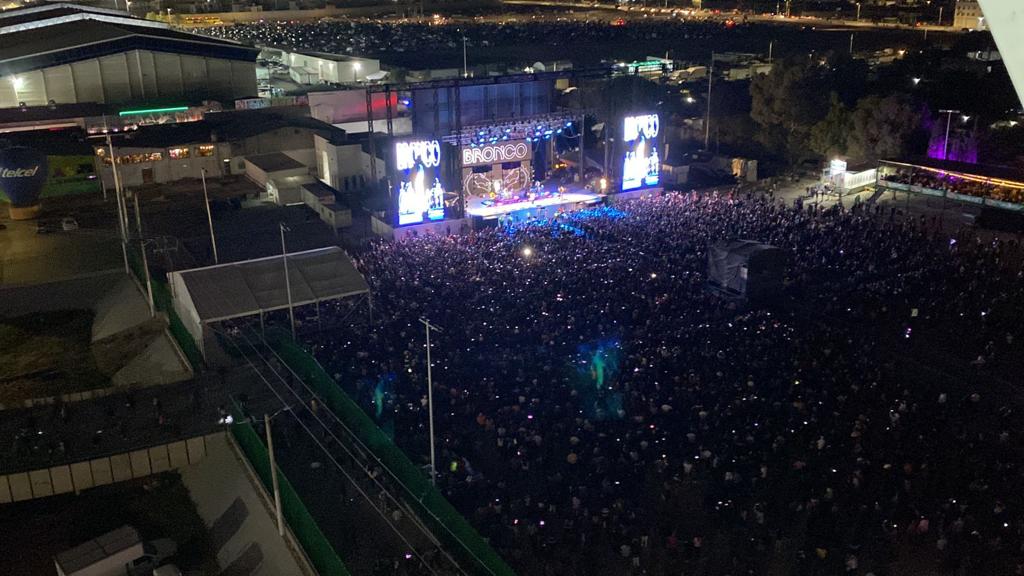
[451, 528]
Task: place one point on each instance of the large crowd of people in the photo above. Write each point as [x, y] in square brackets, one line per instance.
[377, 37]
[600, 411]
[950, 183]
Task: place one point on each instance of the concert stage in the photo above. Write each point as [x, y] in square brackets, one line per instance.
[541, 207]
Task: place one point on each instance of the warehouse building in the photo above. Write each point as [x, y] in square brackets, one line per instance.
[67, 54]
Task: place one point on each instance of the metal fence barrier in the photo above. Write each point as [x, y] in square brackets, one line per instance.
[453, 530]
[319, 551]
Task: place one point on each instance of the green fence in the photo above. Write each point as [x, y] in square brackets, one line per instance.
[459, 538]
[319, 551]
[162, 301]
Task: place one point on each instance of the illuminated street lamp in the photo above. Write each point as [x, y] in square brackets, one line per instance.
[430, 399]
[356, 66]
[949, 119]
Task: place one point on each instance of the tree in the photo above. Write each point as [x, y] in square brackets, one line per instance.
[829, 136]
[882, 127]
[786, 103]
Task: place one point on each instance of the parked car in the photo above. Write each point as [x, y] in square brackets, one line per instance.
[69, 224]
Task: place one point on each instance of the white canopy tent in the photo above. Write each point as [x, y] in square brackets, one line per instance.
[203, 296]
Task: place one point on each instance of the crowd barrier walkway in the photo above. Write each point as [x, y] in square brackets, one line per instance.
[454, 532]
[319, 551]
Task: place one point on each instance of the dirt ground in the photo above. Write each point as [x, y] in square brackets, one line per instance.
[47, 353]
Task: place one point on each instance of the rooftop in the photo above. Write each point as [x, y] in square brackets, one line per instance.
[34, 38]
[55, 112]
[219, 127]
[247, 288]
[274, 162]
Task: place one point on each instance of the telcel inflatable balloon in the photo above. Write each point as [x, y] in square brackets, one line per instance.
[23, 172]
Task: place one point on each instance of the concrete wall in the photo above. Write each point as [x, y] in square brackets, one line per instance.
[344, 167]
[133, 76]
[87, 474]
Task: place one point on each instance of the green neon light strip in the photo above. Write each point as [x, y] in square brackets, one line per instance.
[152, 111]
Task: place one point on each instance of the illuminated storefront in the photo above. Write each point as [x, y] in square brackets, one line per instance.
[418, 184]
[641, 162]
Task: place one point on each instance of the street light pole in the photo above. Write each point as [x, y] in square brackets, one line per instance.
[465, 61]
[287, 280]
[949, 120]
[149, 279]
[209, 217]
[120, 207]
[940, 15]
[707, 120]
[430, 400]
[273, 475]
[858, 11]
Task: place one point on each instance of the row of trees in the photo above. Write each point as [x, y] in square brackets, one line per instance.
[798, 116]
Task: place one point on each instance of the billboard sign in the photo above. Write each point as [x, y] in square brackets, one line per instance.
[641, 164]
[419, 191]
[513, 151]
[23, 173]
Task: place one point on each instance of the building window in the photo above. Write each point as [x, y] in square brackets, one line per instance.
[205, 150]
[140, 158]
[178, 153]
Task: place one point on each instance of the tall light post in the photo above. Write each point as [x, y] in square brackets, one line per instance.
[949, 120]
[858, 11]
[707, 119]
[430, 400]
[940, 15]
[273, 469]
[209, 217]
[287, 279]
[465, 61]
[122, 226]
[149, 279]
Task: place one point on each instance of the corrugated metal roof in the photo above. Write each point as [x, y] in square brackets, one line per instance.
[64, 42]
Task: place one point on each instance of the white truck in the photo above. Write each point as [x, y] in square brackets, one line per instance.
[118, 553]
